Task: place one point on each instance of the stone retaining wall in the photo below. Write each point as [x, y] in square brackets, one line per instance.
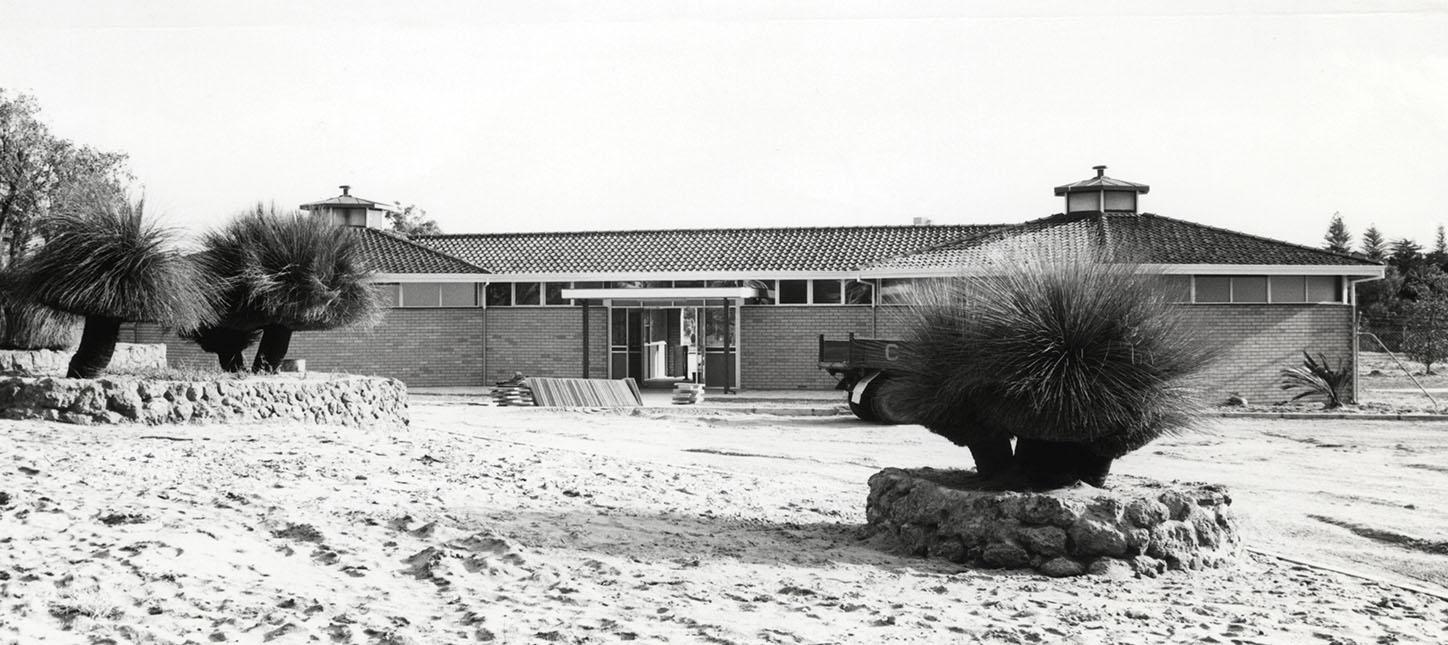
[1136, 527]
[316, 398]
[47, 362]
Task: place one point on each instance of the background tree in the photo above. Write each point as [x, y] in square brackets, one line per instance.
[1374, 245]
[1424, 318]
[39, 171]
[282, 272]
[1337, 240]
[410, 220]
[106, 262]
[1439, 254]
[1405, 254]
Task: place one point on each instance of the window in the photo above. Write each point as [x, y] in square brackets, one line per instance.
[386, 294]
[553, 293]
[438, 294]
[793, 292]
[525, 293]
[1178, 288]
[458, 294]
[859, 293]
[1280, 289]
[1249, 288]
[827, 292]
[1288, 288]
[1214, 288]
[499, 294]
[894, 291]
[1324, 288]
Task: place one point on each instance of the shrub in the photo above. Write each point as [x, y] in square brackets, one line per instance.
[1318, 378]
[106, 262]
[1081, 361]
[281, 273]
[27, 325]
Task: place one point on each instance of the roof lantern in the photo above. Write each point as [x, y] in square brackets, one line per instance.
[349, 210]
[1102, 194]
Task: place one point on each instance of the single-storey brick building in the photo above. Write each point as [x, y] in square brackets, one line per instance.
[470, 309]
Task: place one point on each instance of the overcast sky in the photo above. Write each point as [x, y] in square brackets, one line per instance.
[520, 116]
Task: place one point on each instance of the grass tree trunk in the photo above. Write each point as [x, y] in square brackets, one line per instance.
[993, 458]
[272, 350]
[1053, 464]
[97, 345]
[229, 344]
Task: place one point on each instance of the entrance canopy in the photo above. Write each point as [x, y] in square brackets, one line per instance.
[671, 293]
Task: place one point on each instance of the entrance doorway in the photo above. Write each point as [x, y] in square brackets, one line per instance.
[659, 346]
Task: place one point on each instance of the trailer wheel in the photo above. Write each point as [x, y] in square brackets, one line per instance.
[863, 410]
[880, 407]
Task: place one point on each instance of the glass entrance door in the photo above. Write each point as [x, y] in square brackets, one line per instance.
[660, 346]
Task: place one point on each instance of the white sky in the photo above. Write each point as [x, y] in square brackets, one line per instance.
[1264, 117]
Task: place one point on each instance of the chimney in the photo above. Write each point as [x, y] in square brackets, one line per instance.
[921, 221]
[346, 188]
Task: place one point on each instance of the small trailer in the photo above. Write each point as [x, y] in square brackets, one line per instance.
[862, 365]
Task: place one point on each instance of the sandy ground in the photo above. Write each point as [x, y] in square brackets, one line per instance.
[527, 525]
[1401, 384]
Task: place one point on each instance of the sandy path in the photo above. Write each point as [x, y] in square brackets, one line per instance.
[537, 526]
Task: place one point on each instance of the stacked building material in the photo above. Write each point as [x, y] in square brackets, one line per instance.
[513, 395]
[688, 393]
[513, 392]
[586, 393]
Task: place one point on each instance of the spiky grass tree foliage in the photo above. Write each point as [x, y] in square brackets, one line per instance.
[27, 325]
[1081, 362]
[283, 273]
[1317, 377]
[106, 262]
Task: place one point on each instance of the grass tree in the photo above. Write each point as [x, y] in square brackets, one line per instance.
[282, 272]
[104, 261]
[27, 325]
[1079, 362]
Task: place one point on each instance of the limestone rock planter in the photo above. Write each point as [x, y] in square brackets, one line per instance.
[1135, 527]
[318, 398]
[47, 362]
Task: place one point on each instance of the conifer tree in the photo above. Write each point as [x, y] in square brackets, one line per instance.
[1373, 244]
[1338, 239]
[1439, 254]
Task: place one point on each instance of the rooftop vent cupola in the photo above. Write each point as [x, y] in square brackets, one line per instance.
[1102, 194]
[347, 210]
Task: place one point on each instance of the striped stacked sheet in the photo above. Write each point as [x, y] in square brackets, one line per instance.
[585, 392]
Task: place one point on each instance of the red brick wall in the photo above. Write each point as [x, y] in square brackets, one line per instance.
[1257, 341]
[545, 341]
[421, 347]
[438, 347]
[780, 343]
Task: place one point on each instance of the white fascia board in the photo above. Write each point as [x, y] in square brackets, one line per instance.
[1369, 272]
[663, 294]
[620, 276]
[430, 277]
[1269, 269]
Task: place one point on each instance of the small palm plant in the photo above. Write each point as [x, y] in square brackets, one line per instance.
[1318, 378]
[104, 261]
[282, 273]
[1080, 362]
